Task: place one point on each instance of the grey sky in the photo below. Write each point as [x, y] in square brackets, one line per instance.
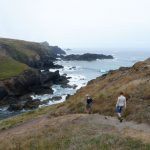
[78, 23]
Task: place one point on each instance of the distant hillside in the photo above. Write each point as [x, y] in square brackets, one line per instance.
[18, 55]
[134, 82]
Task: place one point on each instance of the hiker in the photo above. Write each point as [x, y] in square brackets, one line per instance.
[89, 103]
[121, 103]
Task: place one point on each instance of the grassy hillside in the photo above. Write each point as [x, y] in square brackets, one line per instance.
[16, 48]
[134, 82]
[20, 48]
[17, 55]
[10, 67]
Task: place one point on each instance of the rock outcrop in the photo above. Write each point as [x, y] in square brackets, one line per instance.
[86, 57]
[31, 81]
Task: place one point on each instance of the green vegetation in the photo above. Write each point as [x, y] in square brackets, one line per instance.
[18, 47]
[66, 142]
[16, 55]
[10, 68]
[13, 55]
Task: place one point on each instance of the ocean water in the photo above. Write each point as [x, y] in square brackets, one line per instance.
[80, 72]
[90, 70]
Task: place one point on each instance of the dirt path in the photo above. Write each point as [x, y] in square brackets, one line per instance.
[94, 121]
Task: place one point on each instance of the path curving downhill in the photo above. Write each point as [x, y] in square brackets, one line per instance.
[93, 121]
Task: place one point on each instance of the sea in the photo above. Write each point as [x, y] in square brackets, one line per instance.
[80, 72]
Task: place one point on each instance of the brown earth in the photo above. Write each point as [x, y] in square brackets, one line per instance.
[94, 124]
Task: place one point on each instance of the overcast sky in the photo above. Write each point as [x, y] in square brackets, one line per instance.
[78, 23]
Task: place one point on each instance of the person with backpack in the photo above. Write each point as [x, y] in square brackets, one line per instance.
[121, 103]
[89, 103]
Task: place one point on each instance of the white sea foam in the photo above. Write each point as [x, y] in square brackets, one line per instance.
[53, 70]
[58, 58]
[74, 80]
[3, 108]
[42, 97]
[78, 80]
[59, 91]
[52, 102]
[56, 102]
[66, 69]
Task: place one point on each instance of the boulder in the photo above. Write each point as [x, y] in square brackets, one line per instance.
[32, 104]
[15, 107]
[67, 97]
[3, 93]
[56, 98]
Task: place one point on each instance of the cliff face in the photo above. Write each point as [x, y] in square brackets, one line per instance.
[134, 82]
[19, 85]
[30, 81]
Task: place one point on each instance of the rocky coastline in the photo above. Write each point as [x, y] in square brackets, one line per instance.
[31, 81]
[15, 90]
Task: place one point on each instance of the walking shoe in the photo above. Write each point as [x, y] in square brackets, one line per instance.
[121, 119]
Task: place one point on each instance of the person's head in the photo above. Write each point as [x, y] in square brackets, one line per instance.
[121, 93]
[88, 96]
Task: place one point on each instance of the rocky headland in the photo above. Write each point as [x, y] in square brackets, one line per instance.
[86, 57]
[21, 63]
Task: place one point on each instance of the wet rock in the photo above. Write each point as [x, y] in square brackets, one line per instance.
[15, 107]
[57, 67]
[26, 97]
[3, 92]
[32, 104]
[74, 67]
[56, 98]
[67, 97]
[74, 86]
[9, 100]
[123, 68]
[65, 75]
[66, 86]
[45, 102]
[45, 89]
